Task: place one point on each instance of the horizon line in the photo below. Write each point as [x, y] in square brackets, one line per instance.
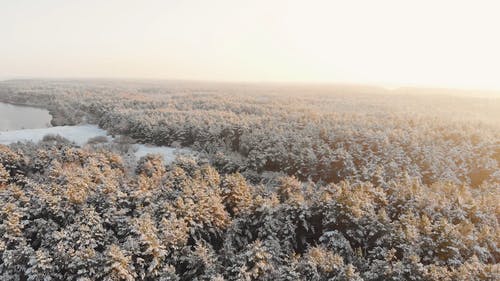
[381, 85]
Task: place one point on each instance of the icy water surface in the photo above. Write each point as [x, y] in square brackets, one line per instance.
[16, 117]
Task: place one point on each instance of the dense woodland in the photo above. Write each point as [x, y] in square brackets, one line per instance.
[291, 183]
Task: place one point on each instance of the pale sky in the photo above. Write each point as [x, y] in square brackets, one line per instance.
[445, 43]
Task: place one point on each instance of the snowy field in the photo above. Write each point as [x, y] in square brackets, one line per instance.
[80, 135]
[77, 134]
[168, 153]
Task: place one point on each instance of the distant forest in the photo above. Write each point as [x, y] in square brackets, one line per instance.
[292, 182]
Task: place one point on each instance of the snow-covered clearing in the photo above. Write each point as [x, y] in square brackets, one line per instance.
[77, 134]
[168, 153]
[80, 135]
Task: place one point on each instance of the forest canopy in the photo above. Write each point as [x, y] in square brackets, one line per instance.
[291, 183]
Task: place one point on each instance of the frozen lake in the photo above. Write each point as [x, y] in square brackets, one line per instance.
[15, 117]
[13, 130]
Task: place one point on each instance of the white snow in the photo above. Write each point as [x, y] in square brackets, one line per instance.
[168, 153]
[15, 118]
[81, 134]
[77, 134]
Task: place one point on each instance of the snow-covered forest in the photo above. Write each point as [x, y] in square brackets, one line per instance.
[290, 183]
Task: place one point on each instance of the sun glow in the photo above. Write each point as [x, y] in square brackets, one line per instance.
[442, 43]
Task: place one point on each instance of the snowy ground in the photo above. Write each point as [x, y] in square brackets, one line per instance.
[168, 153]
[77, 134]
[80, 135]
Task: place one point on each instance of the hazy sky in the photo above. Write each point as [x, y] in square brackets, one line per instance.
[450, 43]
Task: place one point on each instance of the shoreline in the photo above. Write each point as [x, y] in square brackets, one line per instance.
[58, 118]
